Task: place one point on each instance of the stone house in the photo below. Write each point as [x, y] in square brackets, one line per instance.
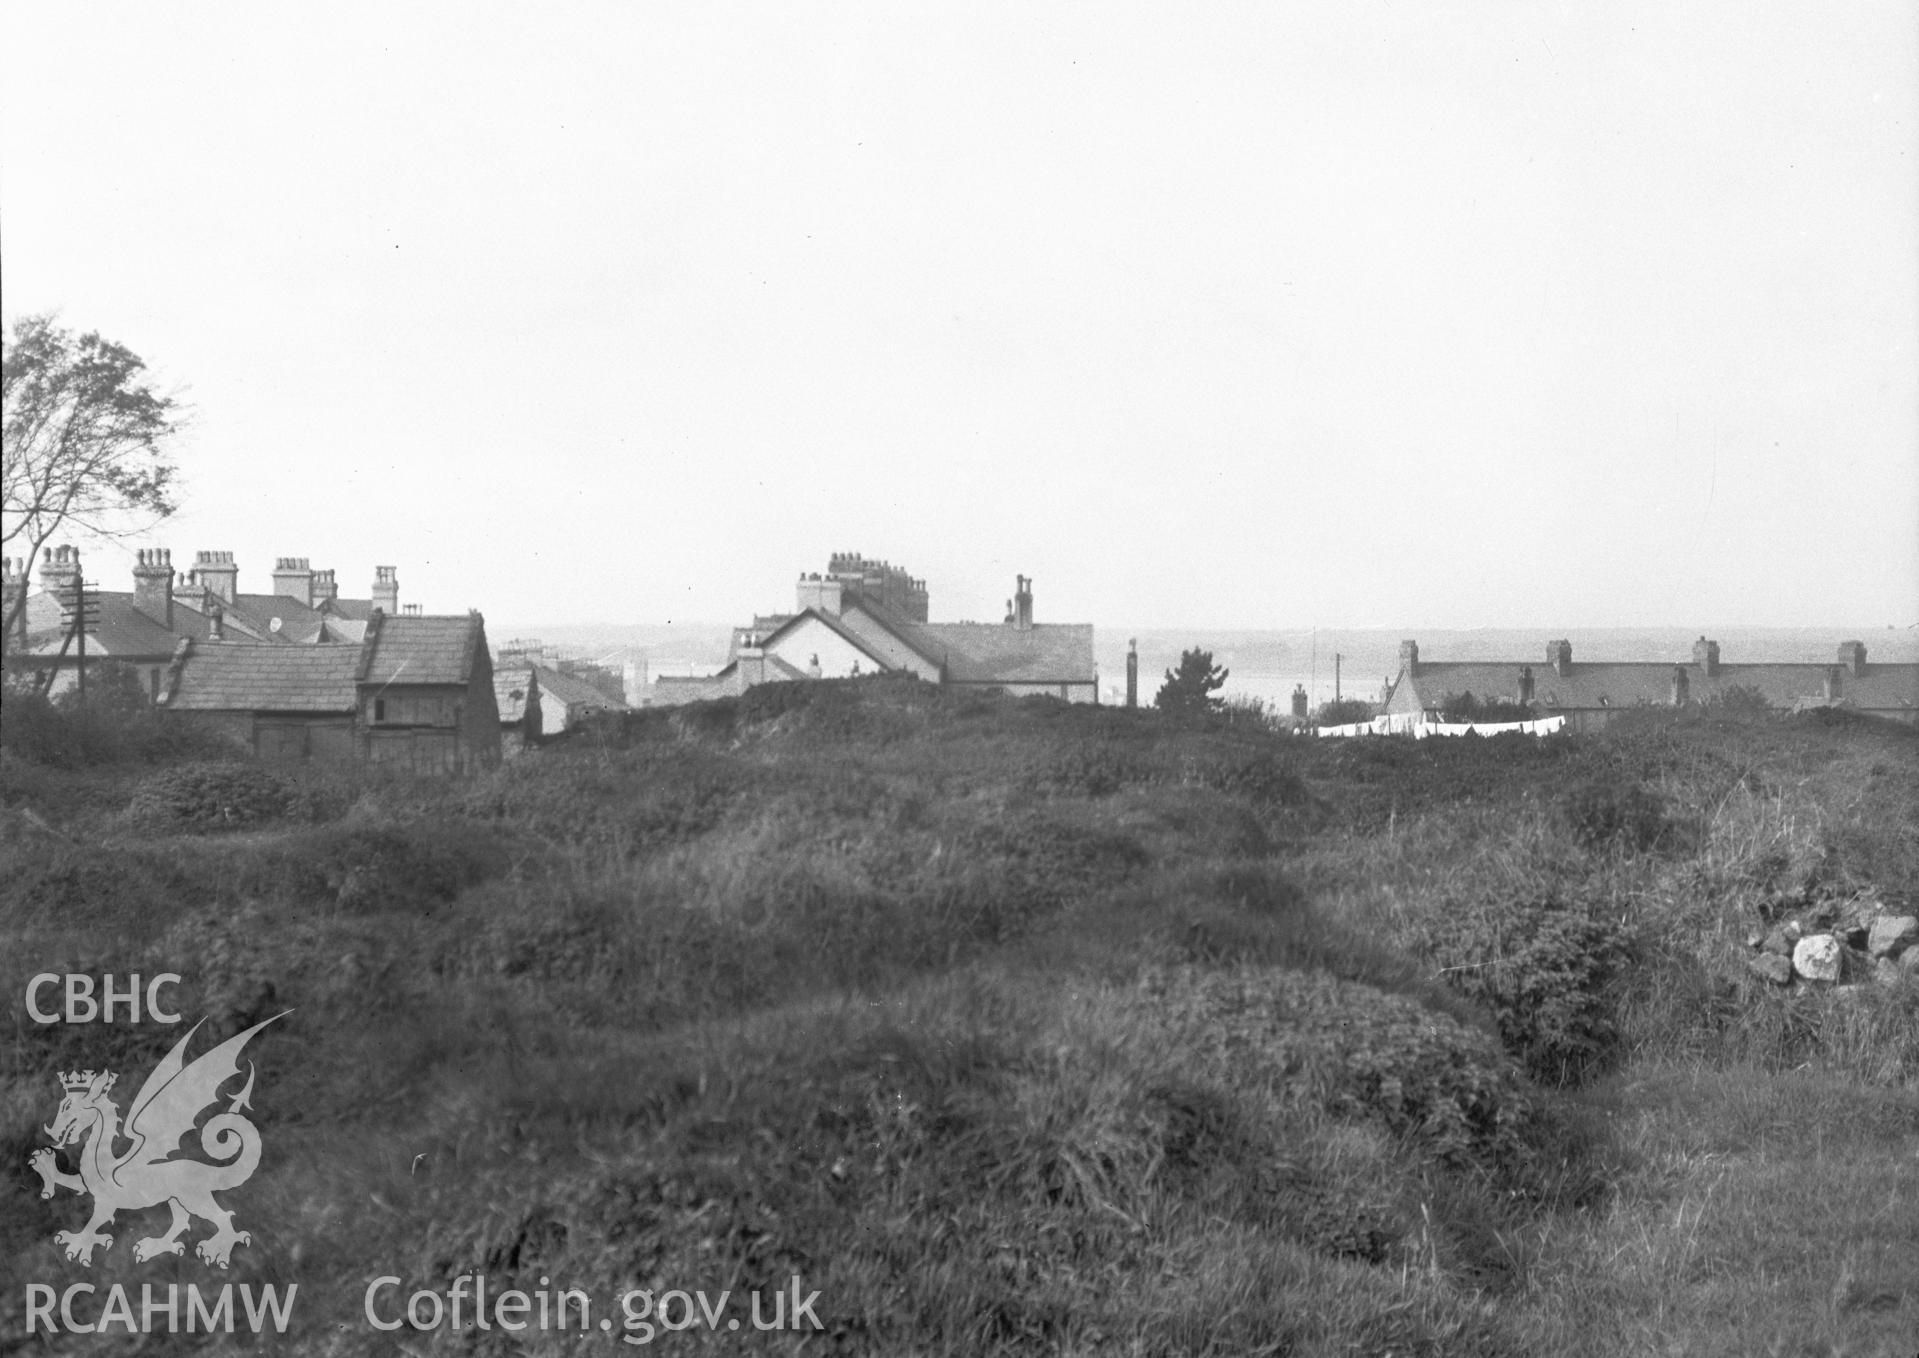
[538, 702]
[414, 692]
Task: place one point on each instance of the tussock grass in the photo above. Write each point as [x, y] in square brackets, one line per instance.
[1011, 1027]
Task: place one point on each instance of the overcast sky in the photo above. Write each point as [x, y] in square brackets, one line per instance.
[1261, 315]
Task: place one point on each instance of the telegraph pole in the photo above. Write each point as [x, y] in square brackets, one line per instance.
[80, 626]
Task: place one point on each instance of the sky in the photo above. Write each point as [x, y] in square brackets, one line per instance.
[1225, 315]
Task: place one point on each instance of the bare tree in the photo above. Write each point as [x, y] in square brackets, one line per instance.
[85, 440]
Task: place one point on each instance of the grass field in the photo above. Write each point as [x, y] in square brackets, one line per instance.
[1010, 1027]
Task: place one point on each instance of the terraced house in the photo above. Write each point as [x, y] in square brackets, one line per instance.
[862, 616]
[1589, 694]
[141, 627]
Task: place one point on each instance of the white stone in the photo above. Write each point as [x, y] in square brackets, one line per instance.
[1817, 957]
[1892, 935]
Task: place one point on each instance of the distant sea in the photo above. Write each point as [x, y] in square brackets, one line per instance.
[1267, 664]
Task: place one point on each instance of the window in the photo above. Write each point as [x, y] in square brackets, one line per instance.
[379, 709]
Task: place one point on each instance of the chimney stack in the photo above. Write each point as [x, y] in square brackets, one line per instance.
[1705, 654]
[1559, 654]
[1681, 686]
[14, 573]
[59, 568]
[386, 589]
[153, 584]
[822, 594]
[325, 588]
[293, 579]
[216, 622]
[1023, 603]
[1835, 684]
[1852, 655]
[1300, 701]
[1409, 657]
[750, 662]
[1526, 686]
[215, 572]
[1132, 672]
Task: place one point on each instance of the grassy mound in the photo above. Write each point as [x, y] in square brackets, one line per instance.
[1008, 1026]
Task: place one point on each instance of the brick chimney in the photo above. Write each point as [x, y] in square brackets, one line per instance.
[293, 579]
[153, 584]
[215, 572]
[1023, 603]
[1705, 654]
[1681, 686]
[1409, 657]
[325, 588]
[1852, 655]
[1300, 701]
[1132, 672]
[1559, 654]
[386, 589]
[1526, 685]
[59, 568]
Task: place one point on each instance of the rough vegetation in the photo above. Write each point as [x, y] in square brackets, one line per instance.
[1009, 1027]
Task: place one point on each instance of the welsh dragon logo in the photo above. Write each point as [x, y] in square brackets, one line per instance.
[162, 1113]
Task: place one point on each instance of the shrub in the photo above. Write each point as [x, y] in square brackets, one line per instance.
[1345, 712]
[1738, 700]
[416, 866]
[108, 729]
[1244, 712]
[1465, 707]
[210, 797]
[1611, 813]
[1546, 968]
[1358, 1052]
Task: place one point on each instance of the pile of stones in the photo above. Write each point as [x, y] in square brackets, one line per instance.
[1847, 942]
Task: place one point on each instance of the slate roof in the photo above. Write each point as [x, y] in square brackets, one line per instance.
[249, 677]
[832, 624]
[999, 653]
[123, 630]
[1633, 683]
[410, 649]
[569, 689]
